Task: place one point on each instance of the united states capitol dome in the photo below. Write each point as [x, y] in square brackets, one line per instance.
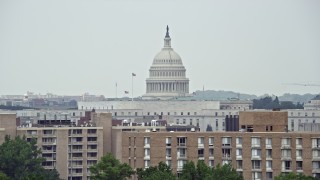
[167, 75]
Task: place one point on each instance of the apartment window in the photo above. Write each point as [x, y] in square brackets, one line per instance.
[211, 163]
[146, 163]
[299, 165]
[285, 142]
[256, 164]
[216, 113]
[168, 162]
[226, 153]
[182, 141]
[239, 153]
[226, 162]
[239, 164]
[197, 122]
[177, 121]
[316, 153]
[255, 142]
[286, 165]
[256, 175]
[200, 141]
[155, 113]
[168, 141]
[299, 154]
[211, 153]
[299, 142]
[256, 153]
[91, 139]
[191, 122]
[292, 125]
[168, 113]
[286, 153]
[200, 153]
[268, 142]
[180, 164]
[188, 113]
[239, 141]
[211, 141]
[217, 125]
[181, 113]
[184, 121]
[316, 165]
[269, 153]
[147, 141]
[168, 153]
[316, 143]
[226, 141]
[147, 153]
[269, 176]
[92, 131]
[181, 153]
[269, 165]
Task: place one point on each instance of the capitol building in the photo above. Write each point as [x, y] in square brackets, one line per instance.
[167, 75]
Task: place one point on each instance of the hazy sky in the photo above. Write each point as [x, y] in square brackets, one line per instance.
[76, 46]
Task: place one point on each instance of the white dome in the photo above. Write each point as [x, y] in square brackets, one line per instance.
[167, 56]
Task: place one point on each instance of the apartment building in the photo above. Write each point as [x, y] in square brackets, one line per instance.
[255, 155]
[69, 149]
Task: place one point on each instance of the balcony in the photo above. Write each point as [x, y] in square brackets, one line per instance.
[255, 146]
[286, 169]
[49, 143]
[283, 158]
[146, 146]
[285, 146]
[256, 168]
[168, 157]
[77, 158]
[75, 142]
[75, 150]
[268, 146]
[92, 157]
[201, 156]
[92, 142]
[49, 135]
[316, 170]
[71, 166]
[92, 150]
[75, 174]
[226, 156]
[255, 157]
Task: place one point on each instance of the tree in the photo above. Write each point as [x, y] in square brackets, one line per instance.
[202, 172]
[20, 159]
[110, 168]
[160, 172]
[293, 176]
[225, 172]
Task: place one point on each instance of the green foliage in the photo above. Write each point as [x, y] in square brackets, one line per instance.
[293, 176]
[4, 176]
[20, 159]
[268, 103]
[110, 168]
[204, 172]
[160, 172]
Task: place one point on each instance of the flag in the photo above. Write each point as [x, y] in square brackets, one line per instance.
[133, 74]
[126, 92]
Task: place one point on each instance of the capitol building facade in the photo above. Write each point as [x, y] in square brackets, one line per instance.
[167, 75]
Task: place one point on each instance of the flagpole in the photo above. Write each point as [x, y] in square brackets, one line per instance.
[132, 87]
[116, 90]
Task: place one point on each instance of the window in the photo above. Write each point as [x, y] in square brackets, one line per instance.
[211, 163]
[239, 153]
[177, 121]
[168, 162]
[299, 154]
[181, 141]
[180, 164]
[269, 153]
[299, 165]
[168, 153]
[268, 142]
[239, 141]
[286, 153]
[146, 163]
[181, 113]
[200, 153]
[226, 141]
[217, 125]
[285, 142]
[211, 141]
[299, 142]
[147, 141]
[316, 143]
[269, 176]
[184, 121]
[256, 153]
[256, 164]
[211, 153]
[191, 122]
[255, 142]
[168, 141]
[181, 153]
[197, 122]
[200, 141]
[226, 153]
[316, 153]
[239, 164]
[286, 165]
[256, 175]
[147, 153]
[269, 165]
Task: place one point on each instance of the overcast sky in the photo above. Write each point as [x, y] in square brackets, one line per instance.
[69, 47]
